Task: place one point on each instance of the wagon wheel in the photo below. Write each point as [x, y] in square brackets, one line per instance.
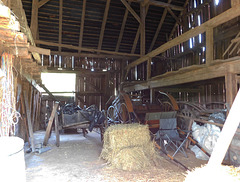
[111, 115]
[167, 106]
[183, 123]
[124, 115]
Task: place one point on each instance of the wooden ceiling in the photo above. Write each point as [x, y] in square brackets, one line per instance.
[103, 26]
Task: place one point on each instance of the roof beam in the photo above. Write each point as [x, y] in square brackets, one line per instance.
[84, 49]
[93, 55]
[142, 25]
[174, 16]
[42, 2]
[131, 11]
[103, 24]
[82, 24]
[137, 34]
[165, 5]
[217, 20]
[60, 23]
[181, 13]
[122, 28]
[17, 8]
[34, 19]
[159, 28]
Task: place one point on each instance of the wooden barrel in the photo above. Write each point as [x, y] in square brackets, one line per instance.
[234, 150]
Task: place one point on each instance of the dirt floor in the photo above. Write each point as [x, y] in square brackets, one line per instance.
[77, 159]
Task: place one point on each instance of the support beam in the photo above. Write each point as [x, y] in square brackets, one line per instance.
[84, 49]
[34, 19]
[180, 15]
[165, 5]
[93, 55]
[82, 24]
[218, 20]
[60, 23]
[149, 68]
[17, 8]
[209, 45]
[122, 28]
[174, 16]
[159, 27]
[131, 11]
[39, 50]
[231, 87]
[137, 34]
[142, 25]
[103, 24]
[42, 2]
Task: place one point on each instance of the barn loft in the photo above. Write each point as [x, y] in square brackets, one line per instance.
[95, 90]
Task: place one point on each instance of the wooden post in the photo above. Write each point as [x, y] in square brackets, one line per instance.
[143, 37]
[57, 130]
[228, 131]
[152, 95]
[34, 19]
[60, 24]
[29, 120]
[48, 130]
[209, 45]
[149, 68]
[231, 87]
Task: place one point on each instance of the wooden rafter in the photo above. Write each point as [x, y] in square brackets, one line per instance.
[84, 49]
[34, 19]
[217, 20]
[159, 28]
[165, 5]
[137, 34]
[103, 24]
[82, 24]
[122, 28]
[131, 10]
[60, 23]
[42, 2]
[142, 32]
[93, 55]
[174, 16]
[180, 15]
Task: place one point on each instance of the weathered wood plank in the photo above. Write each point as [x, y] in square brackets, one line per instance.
[34, 19]
[84, 49]
[82, 24]
[165, 5]
[209, 45]
[49, 127]
[39, 50]
[158, 28]
[57, 130]
[143, 33]
[131, 11]
[60, 24]
[103, 24]
[231, 87]
[42, 2]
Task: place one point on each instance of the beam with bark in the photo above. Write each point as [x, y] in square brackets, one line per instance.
[159, 28]
[103, 24]
[39, 50]
[85, 49]
[122, 29]
[131, 10]
[82, 24]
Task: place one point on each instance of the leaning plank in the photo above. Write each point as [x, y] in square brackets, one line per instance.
[48, 130]
[228, 131]
[57, 130]
[39, 50]
[29, 120]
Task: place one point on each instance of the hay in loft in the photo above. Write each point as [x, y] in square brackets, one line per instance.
[128, 147]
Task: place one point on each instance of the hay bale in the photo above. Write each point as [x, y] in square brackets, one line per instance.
[128, 147]
[216, 173]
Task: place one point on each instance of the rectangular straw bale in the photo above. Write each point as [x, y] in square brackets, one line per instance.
[127, 135]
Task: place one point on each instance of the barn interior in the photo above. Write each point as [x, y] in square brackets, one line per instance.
[77, 76]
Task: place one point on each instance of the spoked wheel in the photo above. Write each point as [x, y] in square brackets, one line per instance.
[111, 115]
[123, 113]
[184, 123]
